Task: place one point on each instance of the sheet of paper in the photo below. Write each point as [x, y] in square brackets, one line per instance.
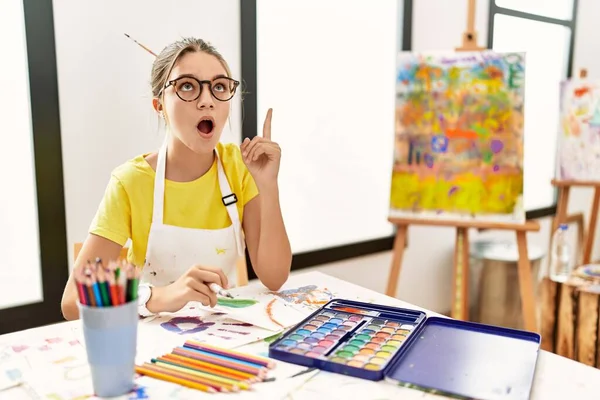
[259, 308]
[267, 311]
[59, 354]
[195, 322]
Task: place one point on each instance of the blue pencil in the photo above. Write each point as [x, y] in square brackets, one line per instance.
[97, 294]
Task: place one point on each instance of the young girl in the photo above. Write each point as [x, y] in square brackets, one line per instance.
[189, 208]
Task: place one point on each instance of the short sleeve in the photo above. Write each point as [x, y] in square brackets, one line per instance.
[249, 187]
[113, 217]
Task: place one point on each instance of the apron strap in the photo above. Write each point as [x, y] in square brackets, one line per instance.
[159, 184]
[229, 200]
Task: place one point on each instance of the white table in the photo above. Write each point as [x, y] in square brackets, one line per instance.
[556, 377]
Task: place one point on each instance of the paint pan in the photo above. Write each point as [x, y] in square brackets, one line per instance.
[353, 336]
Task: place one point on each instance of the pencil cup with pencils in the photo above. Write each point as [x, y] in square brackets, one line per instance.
[108, 308]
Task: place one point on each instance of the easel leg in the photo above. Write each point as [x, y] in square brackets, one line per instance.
[460, 292]
[589, 241]
[399, 244]
[526, 284]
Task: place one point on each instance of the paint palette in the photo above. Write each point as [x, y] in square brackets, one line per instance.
[354, 338]
[376, 342]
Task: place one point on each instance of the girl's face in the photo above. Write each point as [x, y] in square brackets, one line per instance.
[199, 121]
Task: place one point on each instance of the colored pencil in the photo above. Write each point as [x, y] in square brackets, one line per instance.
[173, 379]
[223, 356]
[106, 286]
[82, 294]
[219, 387]
[234, 354]
[219, 361]
[223, 370]
[90, 291]
[244, 376]
[211, 379]
[207, 373]
[84, 297]
[102, 286]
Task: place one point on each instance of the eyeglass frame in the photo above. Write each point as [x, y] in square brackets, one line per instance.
[201, 84]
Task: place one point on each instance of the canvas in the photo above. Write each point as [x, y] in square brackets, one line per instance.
[459, 136]
[579, 131]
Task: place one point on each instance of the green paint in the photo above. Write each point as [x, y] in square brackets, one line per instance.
[273, 338]
[344, 354]
[487, 156]
[480, 130]
[236, 303]
[351, 349]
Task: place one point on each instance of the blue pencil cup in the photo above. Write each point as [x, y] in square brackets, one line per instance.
[110, 335]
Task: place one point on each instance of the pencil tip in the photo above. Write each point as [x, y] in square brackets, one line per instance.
[126, 34]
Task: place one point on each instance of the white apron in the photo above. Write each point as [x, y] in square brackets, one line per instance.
[172, 250]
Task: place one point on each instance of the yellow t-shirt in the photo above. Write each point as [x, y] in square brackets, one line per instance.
[125, 211]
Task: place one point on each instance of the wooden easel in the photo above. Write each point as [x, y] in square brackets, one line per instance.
[564, 189]
[460, 291]
[469, 42]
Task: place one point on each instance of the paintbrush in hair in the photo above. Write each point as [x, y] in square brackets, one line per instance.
[141, 45]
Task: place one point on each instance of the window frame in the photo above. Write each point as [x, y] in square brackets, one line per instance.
[47, 153]
[572, 25]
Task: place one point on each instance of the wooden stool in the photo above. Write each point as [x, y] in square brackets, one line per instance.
[571, 319]
[495, 285]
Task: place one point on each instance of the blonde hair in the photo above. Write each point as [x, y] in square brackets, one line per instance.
[168, 57]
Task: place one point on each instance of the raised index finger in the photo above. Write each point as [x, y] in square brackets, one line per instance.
[267, 125]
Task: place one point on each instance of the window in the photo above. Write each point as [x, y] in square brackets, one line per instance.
[545, 31]
[20, 277]
[33, 267]
[336, 169]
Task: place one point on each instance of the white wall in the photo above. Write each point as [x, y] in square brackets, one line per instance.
[105, 100]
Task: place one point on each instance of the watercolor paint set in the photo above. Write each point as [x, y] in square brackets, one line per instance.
[377, 342]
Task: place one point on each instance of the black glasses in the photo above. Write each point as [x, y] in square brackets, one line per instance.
[189, 88]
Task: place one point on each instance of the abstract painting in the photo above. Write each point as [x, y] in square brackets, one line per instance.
[459, 136]
[194, 321]
[579, 133]
[311, 296]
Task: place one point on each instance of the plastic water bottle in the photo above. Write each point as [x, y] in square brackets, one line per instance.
[560, 261]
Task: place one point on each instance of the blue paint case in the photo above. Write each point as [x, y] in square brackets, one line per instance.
[404, 346]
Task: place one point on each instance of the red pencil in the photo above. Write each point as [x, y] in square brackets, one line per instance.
[82, 296]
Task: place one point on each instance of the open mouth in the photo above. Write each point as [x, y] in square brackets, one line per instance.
[206, 126]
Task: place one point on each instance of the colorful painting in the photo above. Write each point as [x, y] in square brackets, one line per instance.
[195, 322]
[459, 136]
[309, 295]
[579, 134]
